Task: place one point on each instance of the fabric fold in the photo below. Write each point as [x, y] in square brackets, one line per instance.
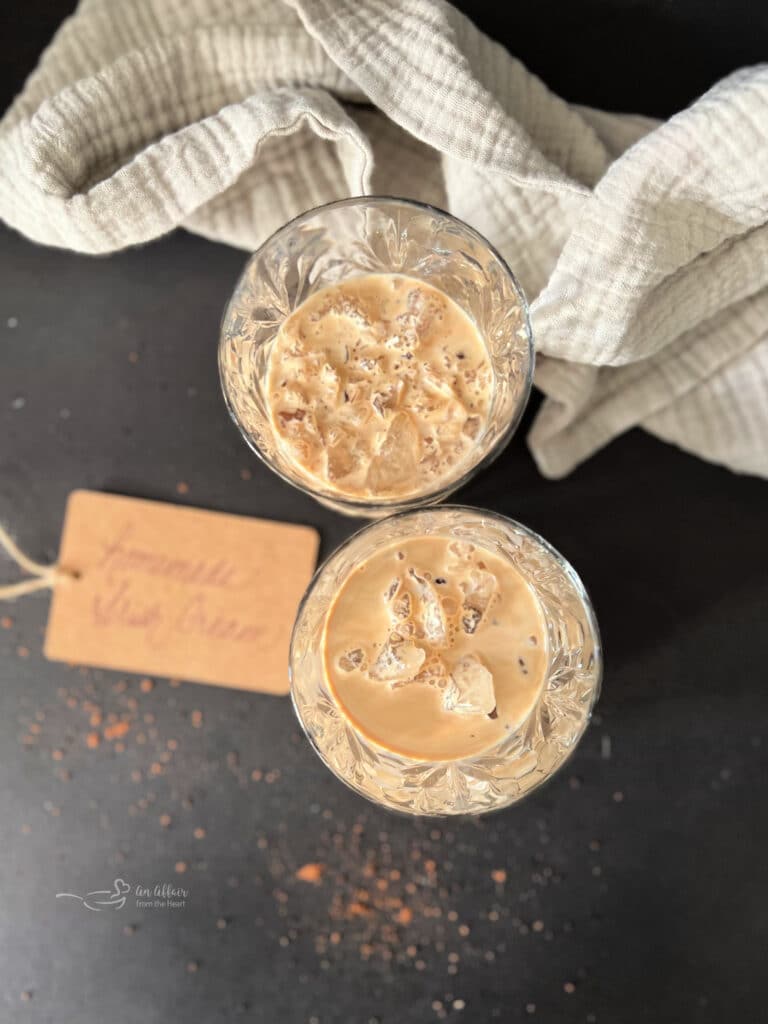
[643, 247]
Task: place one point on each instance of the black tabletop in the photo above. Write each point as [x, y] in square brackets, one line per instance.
[629, 889]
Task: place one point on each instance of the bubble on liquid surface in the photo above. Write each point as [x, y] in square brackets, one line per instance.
[470, 688]
[472, 426]
[433, 673]
[351, 660]
[461, 550]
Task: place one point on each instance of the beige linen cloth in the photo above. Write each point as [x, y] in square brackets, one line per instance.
[642, 246]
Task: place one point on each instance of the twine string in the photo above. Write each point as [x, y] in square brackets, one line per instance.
[43, 576]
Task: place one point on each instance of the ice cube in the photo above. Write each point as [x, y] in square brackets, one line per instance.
[470, 688]
[401, 608]
[430, 464]
[395, 463]
[356, 388]
[416, 300]
[436, 382]
[330, 380]
[303, 367]
[356, 414]
[397, 663]
[453, 416]
[478, 593]
[430, 610]
[293, 398]
[289, 418]
[296, 348]
[405, 340]
[423, 307]
[386, 398]
[341, 460]
[369, 364]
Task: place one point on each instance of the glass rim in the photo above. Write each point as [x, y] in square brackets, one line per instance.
[434, 496]
[477, 513]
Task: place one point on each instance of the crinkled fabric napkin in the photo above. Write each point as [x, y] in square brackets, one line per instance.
[642, 246]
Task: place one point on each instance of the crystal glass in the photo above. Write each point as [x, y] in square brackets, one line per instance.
[524, 759]
[361, 236]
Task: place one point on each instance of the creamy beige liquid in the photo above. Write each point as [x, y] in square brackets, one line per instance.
[379, 386]
[435, 648]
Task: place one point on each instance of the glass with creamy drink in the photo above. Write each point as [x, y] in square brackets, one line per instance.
[376, 353]
[445, 661]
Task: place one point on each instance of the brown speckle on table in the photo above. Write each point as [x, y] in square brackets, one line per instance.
[312, 873]
[116, 730]
[370, 891]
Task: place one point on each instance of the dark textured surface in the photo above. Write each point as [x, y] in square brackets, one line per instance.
[637, 875]
[646, 56]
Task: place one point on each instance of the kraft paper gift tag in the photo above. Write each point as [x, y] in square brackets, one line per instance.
[166, 590]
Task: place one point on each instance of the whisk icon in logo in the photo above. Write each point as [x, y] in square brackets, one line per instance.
[101, 899]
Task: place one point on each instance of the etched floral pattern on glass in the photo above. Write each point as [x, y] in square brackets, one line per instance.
[526, 758]
[371, 235]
